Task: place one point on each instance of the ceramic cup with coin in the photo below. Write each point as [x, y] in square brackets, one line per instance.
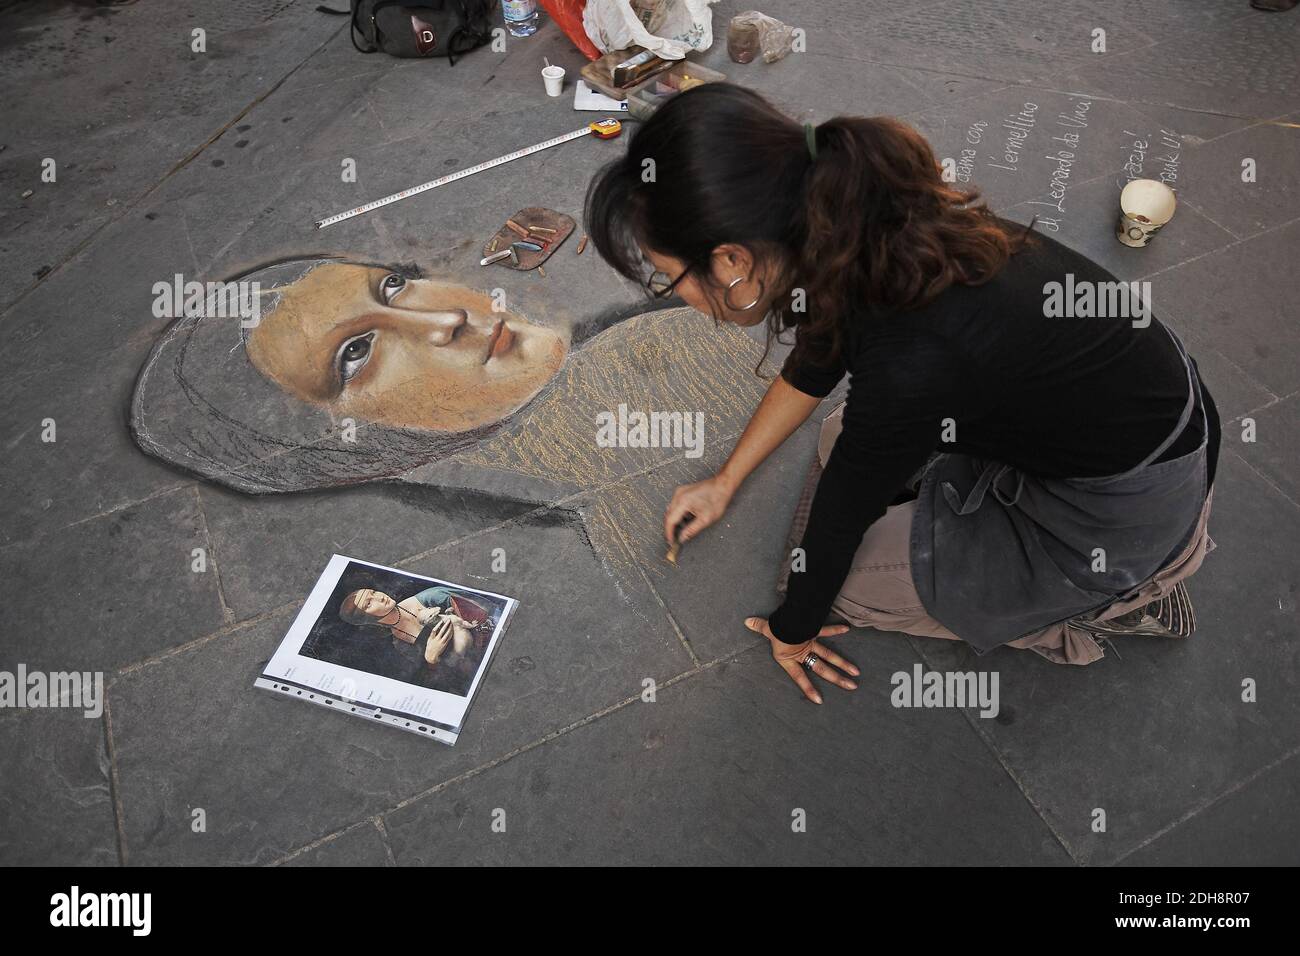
[553, 77]
[1145, 206]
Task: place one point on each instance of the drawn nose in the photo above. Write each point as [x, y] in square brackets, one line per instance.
[445, 324]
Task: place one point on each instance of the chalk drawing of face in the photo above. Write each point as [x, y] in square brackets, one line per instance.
[352, 372]
[370, 343]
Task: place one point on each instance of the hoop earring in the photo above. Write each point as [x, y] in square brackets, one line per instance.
[743, 308]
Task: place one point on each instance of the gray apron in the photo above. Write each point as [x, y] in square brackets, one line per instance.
[1039, 551]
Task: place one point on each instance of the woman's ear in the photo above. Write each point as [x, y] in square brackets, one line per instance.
[730, 260]
[723, 264]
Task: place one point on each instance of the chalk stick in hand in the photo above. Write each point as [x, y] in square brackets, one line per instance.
[676, 546]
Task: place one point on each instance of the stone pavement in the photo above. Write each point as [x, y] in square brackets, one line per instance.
[170, 161]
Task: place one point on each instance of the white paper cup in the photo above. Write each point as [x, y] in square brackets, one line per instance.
[553, 77]
[1145, 206]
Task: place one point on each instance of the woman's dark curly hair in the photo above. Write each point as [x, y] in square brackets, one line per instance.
[866, 230]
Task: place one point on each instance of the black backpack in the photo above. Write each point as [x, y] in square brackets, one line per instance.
[421, 29]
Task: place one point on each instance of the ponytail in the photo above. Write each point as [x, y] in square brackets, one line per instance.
[881, 233]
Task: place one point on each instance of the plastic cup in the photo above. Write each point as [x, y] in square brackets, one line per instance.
[553, 77]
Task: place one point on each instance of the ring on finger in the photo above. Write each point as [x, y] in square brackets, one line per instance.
[810, 661]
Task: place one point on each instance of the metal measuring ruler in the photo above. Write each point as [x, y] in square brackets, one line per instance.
[602, 129]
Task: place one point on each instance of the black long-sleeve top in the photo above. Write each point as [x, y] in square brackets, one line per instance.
[1054, 397]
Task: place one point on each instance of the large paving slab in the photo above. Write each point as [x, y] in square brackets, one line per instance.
[1228, 832]
[1238, 301]
[1248, 181]
[1235, 391]
[1158, 728]
[85, 332]
[114, 590]
[1230, 60]
[275, 774]
[1015, 40]
[1274, 445]
[721, 768]
[156, 101]
[56, 807]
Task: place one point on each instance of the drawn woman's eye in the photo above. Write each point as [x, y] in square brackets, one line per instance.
[392, 284]
[353, 355]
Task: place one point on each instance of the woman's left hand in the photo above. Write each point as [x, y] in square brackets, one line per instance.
[791, 657]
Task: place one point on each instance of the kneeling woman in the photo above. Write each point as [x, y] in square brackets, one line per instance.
[996, 475]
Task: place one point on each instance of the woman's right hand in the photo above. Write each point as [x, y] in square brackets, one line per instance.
[706, 501]
[439, 638]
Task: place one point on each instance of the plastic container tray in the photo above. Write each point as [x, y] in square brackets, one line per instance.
[641, 101]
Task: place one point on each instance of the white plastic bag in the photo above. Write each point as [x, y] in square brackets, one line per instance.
[678, 26]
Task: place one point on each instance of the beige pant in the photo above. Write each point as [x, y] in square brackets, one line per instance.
[879, 592]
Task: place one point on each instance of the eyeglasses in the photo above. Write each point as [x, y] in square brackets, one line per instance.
[661, 286]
